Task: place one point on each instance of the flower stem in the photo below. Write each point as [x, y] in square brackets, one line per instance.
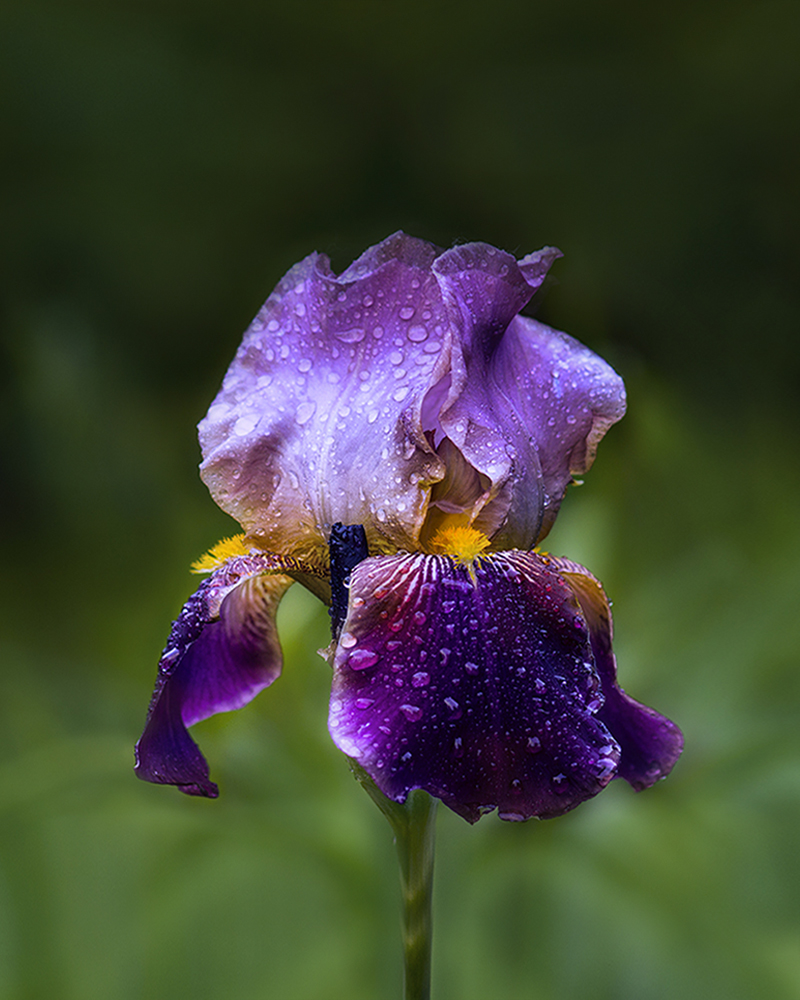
[414, 825]
[415, 850]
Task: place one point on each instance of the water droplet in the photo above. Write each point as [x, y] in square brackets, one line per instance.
[304, 365]
[471, 668]
[412, 712]
[364, 703]
[534, 744]
[458, 747]
[407, 312]
[367, 301]
[572, 419]
[347, 640]
[419, 617]
[400, 394]
[420, 679]
[453, 707]
[305, 411]
[362, 659]
[541, 687]
[516, 786]
[245, 424]
[352, 336]
[417, 334]
[560, 783]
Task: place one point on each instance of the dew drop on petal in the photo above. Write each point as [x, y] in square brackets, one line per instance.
[417, 333]
[412, 712]
[362, 659]
[420, 679]
[407, 312]
[305, 411]
[348, 640]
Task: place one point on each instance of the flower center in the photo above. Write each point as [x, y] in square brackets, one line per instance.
[463, 543]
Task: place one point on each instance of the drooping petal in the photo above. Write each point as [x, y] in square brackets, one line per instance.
[318, 419]
[476, 684]
[650, 743]
[223, 649]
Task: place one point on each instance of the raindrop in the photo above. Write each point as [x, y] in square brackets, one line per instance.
[305, 411]
[534, 744]
[458, 748]
[347, 640]
[407, 312]
[417, 333]
[364, 703]
[352, 336]
[362, 659]
[471, 668]
[412, 712]
[421, 679]
[560, 783]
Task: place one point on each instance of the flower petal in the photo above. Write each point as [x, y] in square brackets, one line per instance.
[223, 650]
[318, 419]
[650, 743]
[480, 689]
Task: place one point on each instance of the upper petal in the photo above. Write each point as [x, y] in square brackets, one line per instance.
[527, 405]
[650, 742]
[223, 649]
[318, 419]
[480, 689]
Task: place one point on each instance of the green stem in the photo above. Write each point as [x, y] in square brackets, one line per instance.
[414, 825]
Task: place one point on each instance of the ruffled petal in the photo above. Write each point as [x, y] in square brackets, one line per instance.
[559, 399]
[319, 417]
[530, 416]
[650, 743]
[223, 649]
[475, 684]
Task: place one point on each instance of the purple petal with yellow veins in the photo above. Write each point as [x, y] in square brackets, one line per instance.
[650, 743]
[223, 649]
[476, 683]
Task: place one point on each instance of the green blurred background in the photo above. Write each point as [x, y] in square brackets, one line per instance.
[164, 162]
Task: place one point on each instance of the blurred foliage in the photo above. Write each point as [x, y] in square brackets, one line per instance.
[164, 163]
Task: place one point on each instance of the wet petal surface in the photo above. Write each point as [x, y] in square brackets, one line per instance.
[318, 419]
[223, 649]
[650, 742]
[481, 691]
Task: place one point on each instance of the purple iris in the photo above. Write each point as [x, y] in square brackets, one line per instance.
[409, 397]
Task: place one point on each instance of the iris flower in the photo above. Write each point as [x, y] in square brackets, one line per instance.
[408, 400]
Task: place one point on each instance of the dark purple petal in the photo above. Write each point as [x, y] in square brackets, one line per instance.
[483, 692]
[318, 419]
[650, 743]
[223, 649]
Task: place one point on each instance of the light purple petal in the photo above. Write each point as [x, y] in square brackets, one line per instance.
[560, 398]
[223, 649]
[650, 743]
[318, 419]
[482, 692]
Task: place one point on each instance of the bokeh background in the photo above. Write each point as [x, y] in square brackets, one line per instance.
[163, 163]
